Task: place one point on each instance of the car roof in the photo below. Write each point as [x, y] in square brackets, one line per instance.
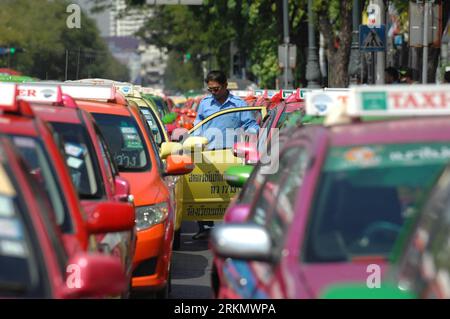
[57, 113]
[18, 124]
[392, 131]
[103, 107]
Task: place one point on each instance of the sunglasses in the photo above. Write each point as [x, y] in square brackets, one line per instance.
[214, 89]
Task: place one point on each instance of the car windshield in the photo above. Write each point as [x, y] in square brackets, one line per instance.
[81, 159]
[162, 107]
[42, 169]
[20, 271]
[153, 124]
[18, 267]
[125, 141]
[365, 194]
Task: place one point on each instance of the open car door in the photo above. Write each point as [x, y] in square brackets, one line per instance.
[204, 194]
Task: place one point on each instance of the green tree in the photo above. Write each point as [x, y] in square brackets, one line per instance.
[181, 76]
[39, 26]
[255, 27]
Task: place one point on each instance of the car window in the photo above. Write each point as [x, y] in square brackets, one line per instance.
[425, 266]
[39, 165]
[266, 199]
[287, 198]
[249, 189]
[153, 124]
[155, 147]
[266, 128]
[19, 269]
[226, 129]
[81, 159]
[364, 196]
[125, 141]
[53, 234]
[106, 157]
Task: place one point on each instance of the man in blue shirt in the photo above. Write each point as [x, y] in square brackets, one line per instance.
[216, 130]
[221, 99]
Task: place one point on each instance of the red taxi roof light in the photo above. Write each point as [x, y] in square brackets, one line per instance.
[68, 101]
[9, 103]
[24, 108]
[8, 93]
[295, 97]
[119, 98]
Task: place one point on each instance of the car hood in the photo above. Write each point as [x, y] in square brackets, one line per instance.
[146, 190]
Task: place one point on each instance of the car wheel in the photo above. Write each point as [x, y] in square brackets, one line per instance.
[215, 281]
[177, 239]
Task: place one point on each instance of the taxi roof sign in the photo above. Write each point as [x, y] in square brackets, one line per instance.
[322, 102]
[241, 93]
[89, 91]
[8, 92]
[285, 93]
[126, 88]
[40, 92]
[399, 100]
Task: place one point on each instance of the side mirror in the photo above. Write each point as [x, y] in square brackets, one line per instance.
[361, 291]
[237, 213]
[195, 143]
[109, 217]
[169, 148]
[122, 187]
[237, 175]
[246, 150]
[179, 134]
[94, 275]
[242, 241]
[178, 165]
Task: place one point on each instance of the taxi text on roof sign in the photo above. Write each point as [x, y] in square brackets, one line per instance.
[40, 92]
[8, 93]
[89, 92]
[400, 100]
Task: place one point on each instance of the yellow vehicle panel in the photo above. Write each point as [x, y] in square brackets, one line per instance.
[204, 194]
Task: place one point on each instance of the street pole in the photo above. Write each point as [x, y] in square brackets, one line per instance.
[312, 67]
[426, 7]
[67, 63]
[355, 55]
[381, 56]
[78, 62]
[286, 41]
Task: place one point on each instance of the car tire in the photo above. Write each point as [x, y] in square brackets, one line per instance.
[177, 240]
[165, 292]
[215, 284]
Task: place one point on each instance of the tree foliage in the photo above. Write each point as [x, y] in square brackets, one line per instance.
[39, 26]
[256, 28]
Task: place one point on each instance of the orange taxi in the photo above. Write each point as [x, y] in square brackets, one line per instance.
[133, 150]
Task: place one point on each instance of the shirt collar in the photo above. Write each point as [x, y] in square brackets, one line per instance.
[230, 96]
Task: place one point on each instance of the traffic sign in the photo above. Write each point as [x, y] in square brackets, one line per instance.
[372, 39]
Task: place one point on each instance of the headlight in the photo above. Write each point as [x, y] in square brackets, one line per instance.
[147, 216]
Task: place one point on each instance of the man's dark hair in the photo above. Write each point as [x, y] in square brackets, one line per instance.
[216, 76]
[392, 72]
[447, 77]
